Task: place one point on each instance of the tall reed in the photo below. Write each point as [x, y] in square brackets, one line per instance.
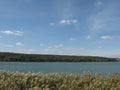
[58, 81]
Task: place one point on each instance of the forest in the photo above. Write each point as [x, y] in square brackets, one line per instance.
[21, 57]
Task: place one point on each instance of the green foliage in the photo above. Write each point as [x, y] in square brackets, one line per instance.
[51, 58]
[57, 81]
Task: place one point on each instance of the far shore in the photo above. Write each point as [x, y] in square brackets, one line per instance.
[20, 57]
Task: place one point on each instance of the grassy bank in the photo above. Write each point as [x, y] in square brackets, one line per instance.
[57, 81]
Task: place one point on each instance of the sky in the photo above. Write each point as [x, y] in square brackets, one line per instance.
[60, 27]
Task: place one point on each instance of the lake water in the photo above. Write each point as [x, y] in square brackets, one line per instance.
[62, 67]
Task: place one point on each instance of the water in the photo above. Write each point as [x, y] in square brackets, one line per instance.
[62, 67]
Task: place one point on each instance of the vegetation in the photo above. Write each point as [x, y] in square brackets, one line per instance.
[4, 56]
[57, 81]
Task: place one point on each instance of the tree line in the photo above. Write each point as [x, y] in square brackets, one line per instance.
[19, 57]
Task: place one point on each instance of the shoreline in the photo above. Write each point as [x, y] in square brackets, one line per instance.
[19, 57]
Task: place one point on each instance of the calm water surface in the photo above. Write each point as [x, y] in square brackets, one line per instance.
[49, 67]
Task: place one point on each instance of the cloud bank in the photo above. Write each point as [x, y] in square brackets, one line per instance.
[10, 32]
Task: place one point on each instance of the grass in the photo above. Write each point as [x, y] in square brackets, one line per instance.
[58, 81]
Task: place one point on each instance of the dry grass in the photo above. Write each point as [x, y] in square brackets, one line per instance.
[57, 81]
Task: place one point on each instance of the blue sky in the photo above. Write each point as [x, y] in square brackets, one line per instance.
[64, 27]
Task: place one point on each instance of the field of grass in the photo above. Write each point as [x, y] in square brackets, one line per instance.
[58, 81]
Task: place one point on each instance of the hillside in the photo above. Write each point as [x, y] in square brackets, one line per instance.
[17, 57]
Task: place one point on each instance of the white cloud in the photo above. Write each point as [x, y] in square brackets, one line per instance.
[67, 21]
[9, 45]
[72, 39]
[98, 24]
[61, 48]
[10, 32]
[100, 47]
[75, 49]
[64, 50]
[58, 46]
[21, 51]
[28, 51]
[88, 37]
[32, 50]
[19, 44]
[49, 50]
[106, 37]
[0, 37]
[99, 2]
[51, 24]
[104, 19]
[55, 46]
[50, 47]
[41, 45]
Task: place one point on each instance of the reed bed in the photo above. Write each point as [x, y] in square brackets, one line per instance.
[58, 81]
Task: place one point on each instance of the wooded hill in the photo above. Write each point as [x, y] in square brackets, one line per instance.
[17, 57]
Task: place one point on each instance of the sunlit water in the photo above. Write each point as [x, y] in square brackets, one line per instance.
[62, 67]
